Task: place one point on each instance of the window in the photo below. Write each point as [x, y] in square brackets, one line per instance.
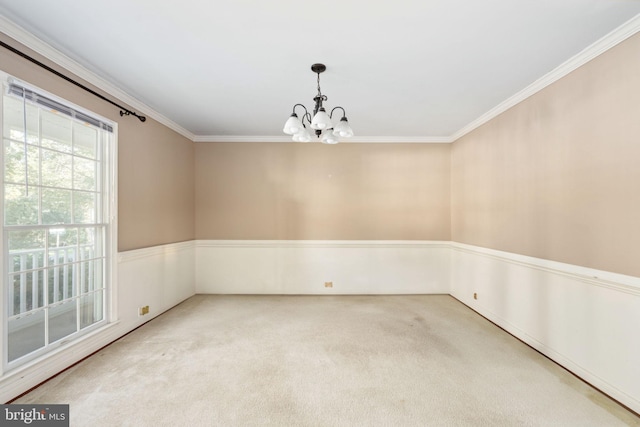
[57, 170]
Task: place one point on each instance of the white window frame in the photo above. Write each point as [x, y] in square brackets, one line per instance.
[111, 245]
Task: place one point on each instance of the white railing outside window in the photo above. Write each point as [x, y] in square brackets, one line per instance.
[70, 265]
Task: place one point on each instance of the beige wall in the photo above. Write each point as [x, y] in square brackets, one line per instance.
[156, 180]
[315, 191]
[156, 191]
[558, 175]
[555, 177]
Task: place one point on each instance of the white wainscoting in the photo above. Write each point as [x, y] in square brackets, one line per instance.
[586, 320]
[160, 277]
[303, 267]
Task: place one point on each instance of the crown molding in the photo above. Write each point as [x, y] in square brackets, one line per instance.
[610, 40]
[241, 138]
[399, 139]
[39, 46]
[353, 140]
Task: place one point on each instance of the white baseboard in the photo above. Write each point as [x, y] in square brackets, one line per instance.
[586, 320]
[303, 267]
[160, 277]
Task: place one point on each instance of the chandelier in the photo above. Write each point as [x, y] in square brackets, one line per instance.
[321, 123]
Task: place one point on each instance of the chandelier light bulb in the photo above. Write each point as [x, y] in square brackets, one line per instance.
[302, 136]
[293, 125]
[328, 137]
[321, 120]
[343, 129]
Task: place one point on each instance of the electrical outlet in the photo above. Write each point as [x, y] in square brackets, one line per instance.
[328, 284]
[143, 310]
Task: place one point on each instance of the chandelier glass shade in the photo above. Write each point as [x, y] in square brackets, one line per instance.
[321, 122]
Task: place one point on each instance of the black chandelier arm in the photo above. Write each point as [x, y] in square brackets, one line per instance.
[294, 108]
[306, 114]
[344, 113]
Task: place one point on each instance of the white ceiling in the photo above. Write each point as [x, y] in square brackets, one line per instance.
[407, 68]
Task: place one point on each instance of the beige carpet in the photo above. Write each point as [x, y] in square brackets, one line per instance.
[324, 361]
